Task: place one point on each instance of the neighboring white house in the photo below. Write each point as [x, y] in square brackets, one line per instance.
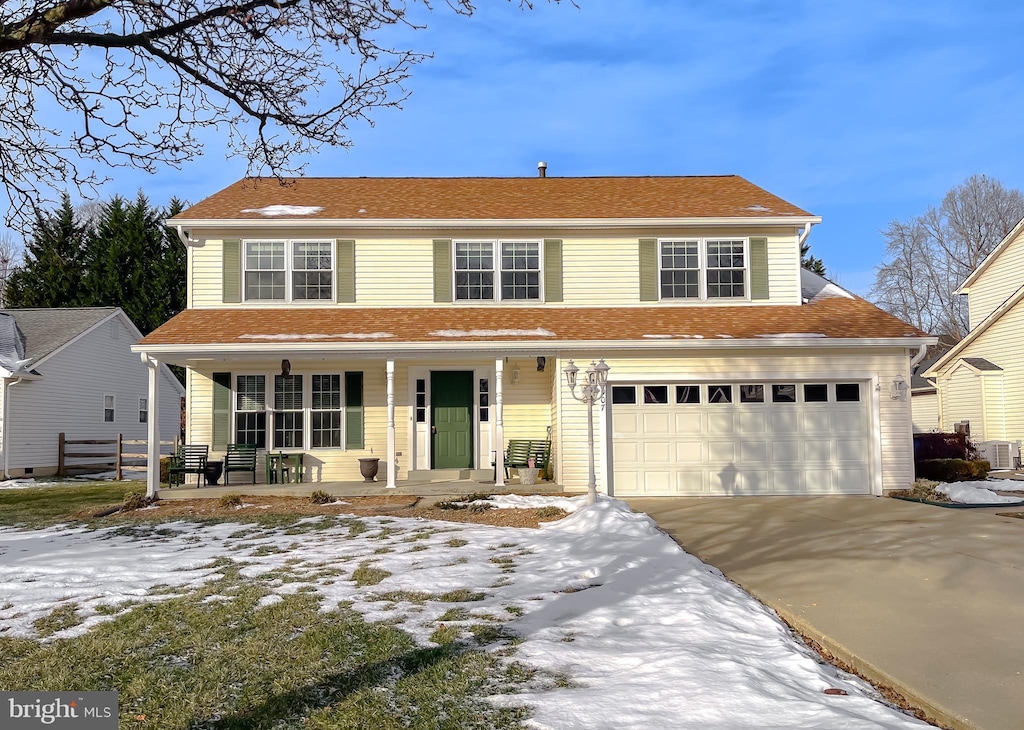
[428, 321]
[72, 371]
[980, 380]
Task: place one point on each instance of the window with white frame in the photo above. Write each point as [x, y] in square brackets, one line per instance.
[680, 270]
[270, 265]
[325, 411]
[143, 410]
[251, 410]
[108, 409]
[288, 412]
[516, 269]
[703, 269]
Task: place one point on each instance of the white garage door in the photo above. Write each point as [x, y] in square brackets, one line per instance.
[740, 438]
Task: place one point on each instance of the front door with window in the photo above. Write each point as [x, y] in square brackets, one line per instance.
[451, 397]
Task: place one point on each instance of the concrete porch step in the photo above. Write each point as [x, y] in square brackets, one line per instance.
[428, 476]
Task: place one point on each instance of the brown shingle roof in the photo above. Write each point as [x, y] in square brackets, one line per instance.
[835, 318]
[727, 196]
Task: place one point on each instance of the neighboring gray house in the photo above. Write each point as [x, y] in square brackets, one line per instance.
[72, 370]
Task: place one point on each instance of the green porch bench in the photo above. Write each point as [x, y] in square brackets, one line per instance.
[240, 457]
[520, 451]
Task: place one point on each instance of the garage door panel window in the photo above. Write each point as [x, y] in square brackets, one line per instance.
[656, 394]
[623, 395]
[719, 394]
[847, 392]
[783, 394]
[687, 394]
[751, 394]
[815, 393]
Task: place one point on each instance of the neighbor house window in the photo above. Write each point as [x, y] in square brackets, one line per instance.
[516, 269]
[325, 411]
[703, 269]
[251, 410]
[270, 265]
[143, 410]
[108, 409]
[288, 413]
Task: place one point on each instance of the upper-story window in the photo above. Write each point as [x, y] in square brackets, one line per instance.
[516, 269]
[703, 269]
[288, 270]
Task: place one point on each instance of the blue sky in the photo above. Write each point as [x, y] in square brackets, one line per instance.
[859, 112]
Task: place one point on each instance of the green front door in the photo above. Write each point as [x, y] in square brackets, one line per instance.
[451, 411]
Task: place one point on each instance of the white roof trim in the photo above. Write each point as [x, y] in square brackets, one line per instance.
[464, 223]
[377, 347]
[1014, 232]
[959, 347]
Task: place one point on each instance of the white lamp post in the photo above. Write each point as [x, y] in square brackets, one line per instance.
[592, 391]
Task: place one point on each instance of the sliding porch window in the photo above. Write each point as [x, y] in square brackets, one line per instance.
[325, 411]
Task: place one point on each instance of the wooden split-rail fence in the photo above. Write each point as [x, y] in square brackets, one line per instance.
[81, 456]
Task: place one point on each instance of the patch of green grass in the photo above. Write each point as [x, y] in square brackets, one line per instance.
[550, 513]
[455, 614]
[184, 664]
[368, 575]
[60, 618]
[514, 610]
[456, 542]
[489, 633]
[356, 527]
[462, 595]
[445, 635]
[418, 548]
[43, 506]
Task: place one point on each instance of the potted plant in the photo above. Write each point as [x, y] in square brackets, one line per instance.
[368, 466]
[529, 474]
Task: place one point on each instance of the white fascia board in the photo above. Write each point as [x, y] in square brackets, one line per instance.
[379, 349]
[463, 223]
[1014, 232]
[955, 351]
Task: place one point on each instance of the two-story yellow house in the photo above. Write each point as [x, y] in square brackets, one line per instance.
[428, 321]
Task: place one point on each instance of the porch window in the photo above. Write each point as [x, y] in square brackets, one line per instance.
[325, 410]
[421, 400]
[485, 400]
[288, 412]
[250, 410]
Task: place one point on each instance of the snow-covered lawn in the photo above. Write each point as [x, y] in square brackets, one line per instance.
[648, 636]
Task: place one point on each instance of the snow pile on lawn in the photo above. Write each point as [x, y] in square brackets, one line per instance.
[648, 636]
[30, 483]
[998, 485]
[534, 501]
[974, 493]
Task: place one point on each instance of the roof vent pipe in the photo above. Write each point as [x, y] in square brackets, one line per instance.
[542, 168]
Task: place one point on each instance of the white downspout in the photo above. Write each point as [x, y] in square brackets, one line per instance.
[918, 357]
[188, 242]
[799, 241]
[8, 384]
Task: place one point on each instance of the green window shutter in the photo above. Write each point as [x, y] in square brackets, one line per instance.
[221, 411]
[552, 269]
[648, 269]
[354, 410]
[231, 271]
[758, 268]
[442, 269]
[345, 271]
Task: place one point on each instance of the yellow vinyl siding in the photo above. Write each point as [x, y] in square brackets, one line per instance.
[1000, 344]
[997, 283]
[527, 404]
[600, 269]
[925, 407]
[962, 401]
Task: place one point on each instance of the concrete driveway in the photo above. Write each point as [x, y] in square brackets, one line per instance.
[927, 600]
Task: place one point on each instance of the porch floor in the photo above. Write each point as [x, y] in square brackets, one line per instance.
[361, 489]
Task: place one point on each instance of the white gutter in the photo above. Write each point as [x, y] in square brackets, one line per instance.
[182, 236]
[463, 223]
[918, 357]
[379, 347]
[805, 234]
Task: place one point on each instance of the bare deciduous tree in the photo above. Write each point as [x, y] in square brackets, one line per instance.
[10, 254]
[929, 256]
[139, 79]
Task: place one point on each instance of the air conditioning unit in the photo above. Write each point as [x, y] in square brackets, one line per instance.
[1000, 454]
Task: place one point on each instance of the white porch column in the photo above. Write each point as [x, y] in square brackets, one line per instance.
[499, 423]
[391, 455]
[153, 421]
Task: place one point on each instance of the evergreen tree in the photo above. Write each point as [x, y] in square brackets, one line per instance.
[52, 273]
[811, 263]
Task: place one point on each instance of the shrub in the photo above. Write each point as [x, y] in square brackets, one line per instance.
[929, 446]
[550, 513]
[231, 500]
[135, 500]
[951, 470]
[165, 469]
[320, 497]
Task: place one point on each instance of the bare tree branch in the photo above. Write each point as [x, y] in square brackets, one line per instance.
[141, 80]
